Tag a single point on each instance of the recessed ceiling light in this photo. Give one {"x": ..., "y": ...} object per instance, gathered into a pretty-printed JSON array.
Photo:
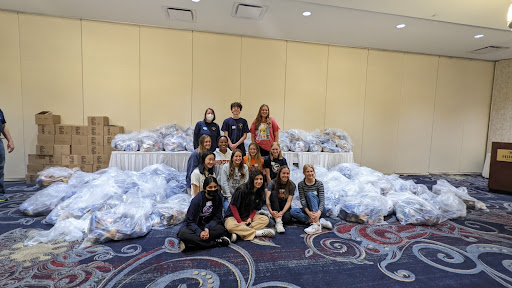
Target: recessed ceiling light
[
  {"x": 307, "y": 13},
  {"x": 196, "y": 1},
  {"x": 479, "y": 36},
  {"x": 400, "y": 26}
]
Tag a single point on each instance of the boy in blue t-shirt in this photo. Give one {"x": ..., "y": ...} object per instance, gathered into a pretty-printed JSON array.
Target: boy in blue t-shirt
[
  {"x": 10, "y": 146},
  {"x": 236, "y": 128}
]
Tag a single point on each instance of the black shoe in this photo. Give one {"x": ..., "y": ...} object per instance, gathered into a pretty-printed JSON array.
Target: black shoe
[
  {"x": 223, "y": 241},
  {"x": 3, "y": 197}
]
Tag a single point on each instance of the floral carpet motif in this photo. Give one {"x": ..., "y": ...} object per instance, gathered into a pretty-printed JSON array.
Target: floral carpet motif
[{"x": 472, "y": 252}]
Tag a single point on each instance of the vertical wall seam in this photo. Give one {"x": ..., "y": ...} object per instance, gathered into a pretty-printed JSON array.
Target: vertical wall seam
[
  {"x": 140, "y": 86},
  {"x": 285, "y": 84},
  {"x": 192, "y": 80},
  {"x": 326, "y": 83},
  {"x": 364, "y": 102},
  {"x": 399, "y": 112},
  {"x": 433, "y": 117},
  {"x": 25, "y": 160},
  {"x": 82, "y": 70}
]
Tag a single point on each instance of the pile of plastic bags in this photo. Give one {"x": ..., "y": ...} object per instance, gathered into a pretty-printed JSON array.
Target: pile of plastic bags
[
  {"x": 169, "y": 137},
  {"x": 328, "y": 140},
  {"x": 109, "y": 205},
  {"x": 363, "y": 195}
]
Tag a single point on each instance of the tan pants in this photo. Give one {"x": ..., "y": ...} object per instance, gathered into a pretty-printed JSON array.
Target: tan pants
[{"x": 246, "y": 232}]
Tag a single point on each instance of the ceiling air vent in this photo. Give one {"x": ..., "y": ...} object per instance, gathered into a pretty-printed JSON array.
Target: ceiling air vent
[
  {"x": 247, "y": 11},
  {"x": 178, "y": 14},
  {"x": 489, "y": 50}
]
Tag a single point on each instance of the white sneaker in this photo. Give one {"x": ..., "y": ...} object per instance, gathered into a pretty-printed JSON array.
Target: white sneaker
[
  {"x": 233, "y": 238},
  {"x": 313, "y": 228},
  {"x": 279, "y": 226},
  {"x": 265, "y": 233},
  {"x": 326, "y": 224}
]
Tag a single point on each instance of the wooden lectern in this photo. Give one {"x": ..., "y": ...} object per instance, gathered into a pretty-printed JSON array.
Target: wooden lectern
[{"x": 500, "y": 173}]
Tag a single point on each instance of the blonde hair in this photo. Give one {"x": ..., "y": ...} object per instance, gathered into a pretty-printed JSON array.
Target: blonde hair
[
  {"x": 201, "y": 147},
  {"x": 258, "y": 154},
  {"x": 280, "y": 153},
  {"x": 306, "y": 166}
]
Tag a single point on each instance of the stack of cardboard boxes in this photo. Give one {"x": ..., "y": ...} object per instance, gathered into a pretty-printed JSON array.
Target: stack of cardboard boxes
[{"x": 86, "y": 147}]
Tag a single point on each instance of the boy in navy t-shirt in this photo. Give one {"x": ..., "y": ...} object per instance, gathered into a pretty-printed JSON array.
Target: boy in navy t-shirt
[{"x": 236, "y": 128}]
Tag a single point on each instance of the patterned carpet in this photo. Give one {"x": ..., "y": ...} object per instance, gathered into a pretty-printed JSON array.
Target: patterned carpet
[{"x": 472, "y": 252}]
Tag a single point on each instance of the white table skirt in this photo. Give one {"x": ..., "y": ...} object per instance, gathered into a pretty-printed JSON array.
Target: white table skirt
[{"x": 136, "y": 161}]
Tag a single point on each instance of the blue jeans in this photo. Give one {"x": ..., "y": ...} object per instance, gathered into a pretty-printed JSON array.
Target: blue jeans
[
  {"x": 312, "y": 202},
  {"x": 2, "y": 163}
]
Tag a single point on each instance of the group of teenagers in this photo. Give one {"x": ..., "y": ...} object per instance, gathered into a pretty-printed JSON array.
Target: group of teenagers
[{"x": 240, "y": 196}]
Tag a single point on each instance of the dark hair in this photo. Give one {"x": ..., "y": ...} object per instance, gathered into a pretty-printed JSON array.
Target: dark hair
[
  {"x": 278, "y": 183},
  {"x": 250, "y": 182},
  {"x": 206, "y": 112},
  {"x": 232, "y": 165},
  {"x": 236, "y": 104},
  {"x": 222, "y": 136},
  {"x": 201, "y": 166},
  {"x": 209, "y": 180}
]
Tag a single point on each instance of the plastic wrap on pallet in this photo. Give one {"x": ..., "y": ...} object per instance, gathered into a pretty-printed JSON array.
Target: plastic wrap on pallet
[
  {"x": 442, "y": 186},
  {"x": 150, "y": 142},
  {"x": 171, "y": 212},
  {"x": 130, "y": 219},
  {"x": 44, "y": 201},
  {"x": 126, "y": 142},
  {"x": 68, "y": 230}
]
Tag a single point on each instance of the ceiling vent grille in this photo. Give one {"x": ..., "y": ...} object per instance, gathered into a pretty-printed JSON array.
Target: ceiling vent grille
[
  {"x": 489, "y": 50},
  {"x": 179, "y": 14},
  {"x": 247, "y": 11}
]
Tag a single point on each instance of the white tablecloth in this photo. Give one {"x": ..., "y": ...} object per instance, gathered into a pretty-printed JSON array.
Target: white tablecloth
[{"x": 136, "y": 161}]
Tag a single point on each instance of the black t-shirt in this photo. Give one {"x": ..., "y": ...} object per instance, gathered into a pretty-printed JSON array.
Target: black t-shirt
[
  {"x": 274, "y": 165},
  {"x": 246, "y": 201}
]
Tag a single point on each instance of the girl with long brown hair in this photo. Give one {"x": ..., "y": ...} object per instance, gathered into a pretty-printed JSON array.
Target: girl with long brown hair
[{"x": 264, "y": 130}]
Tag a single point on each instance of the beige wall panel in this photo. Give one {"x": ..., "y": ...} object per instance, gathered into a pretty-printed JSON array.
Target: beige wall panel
[
  {"x": 111, "y": 73},
  {"x": 448, "y": 116},
  {"x": 165, "y": 76},
  {"x": 477, "y": 104},
  {"x": 346, "y": 90},
  {"x": 381, "y": 115},
  {"x": 51, "y": 69},
  {"x": 416, "y": 113},
  {"x": 306, "y": 86},
  {"x": 263, "y": 77},
  {"x": 500, "y": 129},
  {"x": 10, "y": 93},
  {"x": 216, "y": 74}
]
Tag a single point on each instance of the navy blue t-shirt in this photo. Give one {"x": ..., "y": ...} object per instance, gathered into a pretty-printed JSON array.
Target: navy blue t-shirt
[
  {"x": 236, "y": 129},
  {"x": 274, "y": 165},
  {"x": 211, "y": 129},
  {"x": 2, "y": 121}
]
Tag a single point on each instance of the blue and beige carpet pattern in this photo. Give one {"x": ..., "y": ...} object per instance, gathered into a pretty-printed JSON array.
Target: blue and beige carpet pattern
[{"x": 471, "y": 252}]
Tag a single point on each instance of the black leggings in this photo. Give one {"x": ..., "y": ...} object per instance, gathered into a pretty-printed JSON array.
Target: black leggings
[
  {"x": 277, "y": 205},
  {"x": 194, "y": 241}
]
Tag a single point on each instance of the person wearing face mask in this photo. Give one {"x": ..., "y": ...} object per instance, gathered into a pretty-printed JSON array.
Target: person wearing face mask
[
  {"x": 202, "y": 171},
  {"x": 207, "y": 126},
  {"x": 233, "y": 174},
  {"x": 242, "y": 218},
  {"x": 203, "y": 224},
  {"x": 279, "y": 196}
]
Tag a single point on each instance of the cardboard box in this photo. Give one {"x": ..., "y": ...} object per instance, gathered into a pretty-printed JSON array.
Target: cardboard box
[
  {"x": 59, "y": 150},
  {"x": 46, "y": 129},
  {"x": 78, "y": 140},
  {"x": 97, "y": 121},
  {"x": 51, "y": 165},
  {"x": 79, "y": 149},
  {"x": 31, "y": 178},
  {"x": 45, "y": 139},
  {"x": 44, "y": 149},
  {"x": 80, "y": 130},
  {"x": 77, "y": 159},
  {"x": 113, "y": 130},
  {"x": 101, "y": 160},
  {"x": 107, "y": 140},
  {"x": 37, "y": 159},
  {"x": 93, "y": 150},
  {"x": 47, "y": 117},
  {"x": 62, "y": 139},
  {"x": 95, "y": 131},
  {"x": 97, "y": 167},
  {"x": 54, "y": 160},
  {"x": 34, "y": 168},
  {"x": 63, "y": 129},
  {"x": 94, "y": 140},
  {"x": 107, "y": 150}
]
